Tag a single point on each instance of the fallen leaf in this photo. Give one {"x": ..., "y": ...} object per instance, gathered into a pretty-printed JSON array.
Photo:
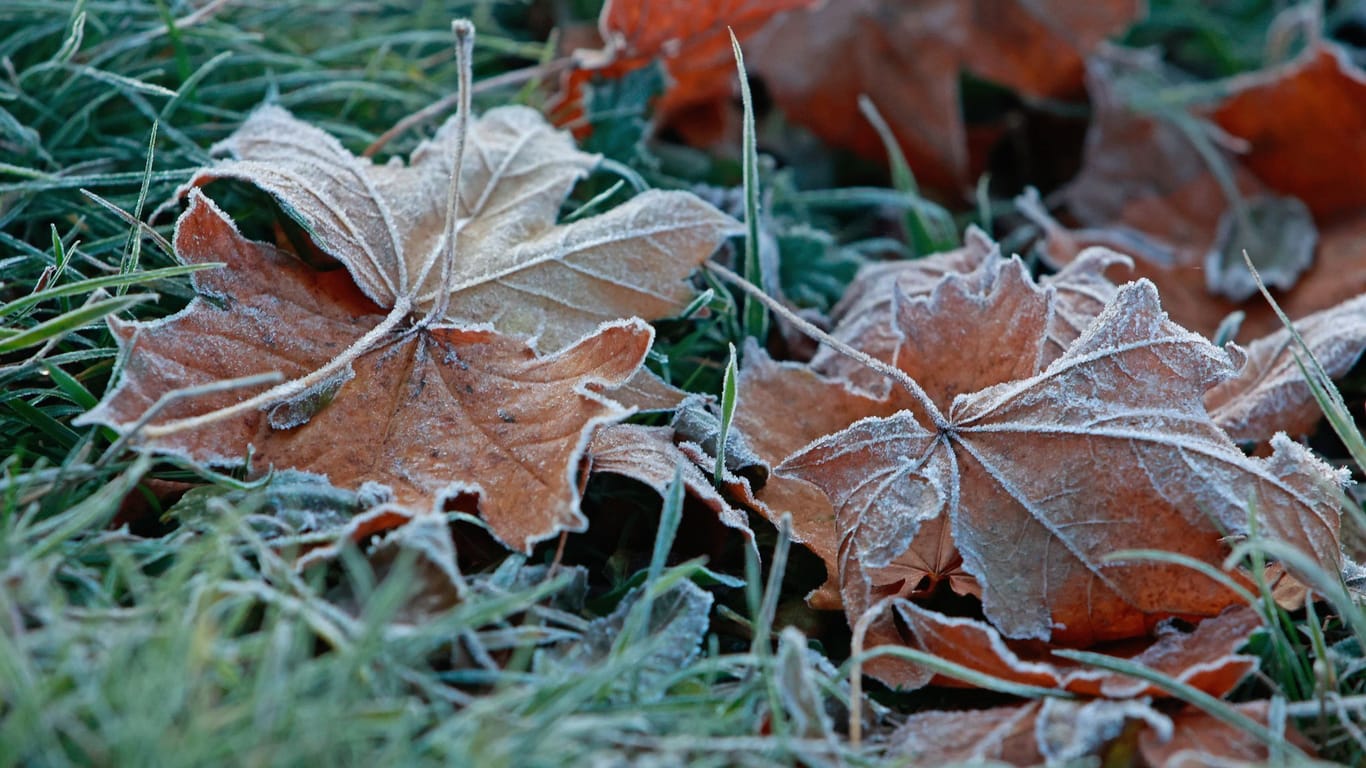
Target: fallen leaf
[
  {"x": 1004, "y": 734},
  {"x": 515, "y": 268},
  {"x": 1145, "y": 190},
  {"x": 1057, "y": 731},
  {"x": 1305, "y": 126},
  {"x": 865, "y": 318},
  {"x": 1200, "y": 739},
  {"x": 1107, "y": 448},
  {"x": 1270, "y": 393},
  {"x": 907, "y": 57},
  {"x": 1204, "y": 658},
  {"x": 430, "y": 413},
  {"x": 834, "y": 392},
  {"x": 649, "y": 455}
]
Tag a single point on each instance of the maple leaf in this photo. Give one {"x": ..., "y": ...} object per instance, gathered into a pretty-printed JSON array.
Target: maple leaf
[
  {"x": 1107, "y": 448},
  {"x": 865, "y": 317},
  {"x": 909, "y": 314},
  {"x": 430, "y": 413},
  {"x": 1204, "y": 658},
  {"x": 1057, "y": 731},
  {"x": 907, "y": 57},
  {"x": 514, "y": 267}
]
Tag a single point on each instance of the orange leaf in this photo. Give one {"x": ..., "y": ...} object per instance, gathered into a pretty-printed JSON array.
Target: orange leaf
[{"x": 1305, "y": 123}]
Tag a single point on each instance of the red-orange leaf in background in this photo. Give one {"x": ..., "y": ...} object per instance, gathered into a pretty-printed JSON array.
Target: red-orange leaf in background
[
  {"x": 1305, "y": 125},
  {"x": 428, "y": 414},
  {"x": 692, "y": 38},
  {"x": 907, "y": 57}
]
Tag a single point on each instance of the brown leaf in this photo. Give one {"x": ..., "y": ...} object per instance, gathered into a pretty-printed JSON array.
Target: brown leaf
[
  {"x": 1305, "y": 125},
  {"x": 1055, "y": 731},
  {"x": 865, "y": 318},
  {"x": 1270, "y": 394},
  {"x": 515, "y": 268},
  {"x": 907, "y": 57},
  {"x": 430, "y": 413},
  {"x": 1145, "y": 190},
  {"x": 691, "y": 38},
  {"x": 1205, "y": 658},
  {"x": 820, "y": 398},
  {"x": 649, "y": 455},
  {"x": 1199, "y": 739},
  {"x": 780, "y": 408},
  {"x": 1107, "y": 448},
  {"x": 1004, "y": 734}
]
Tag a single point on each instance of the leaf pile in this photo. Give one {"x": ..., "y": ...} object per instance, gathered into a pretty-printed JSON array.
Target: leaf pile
[{"x": 1068, "y": 475}]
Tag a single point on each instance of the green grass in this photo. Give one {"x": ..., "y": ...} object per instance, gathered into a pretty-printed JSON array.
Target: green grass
[{"x": 127, "y": 631}]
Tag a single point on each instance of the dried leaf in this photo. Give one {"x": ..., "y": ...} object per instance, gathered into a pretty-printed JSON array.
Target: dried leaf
[
  {"x": 1304, "y": 123},
  {"x": 865, "y": 319},
  {"x": 1205, "y": 658},
  {"x": 1199, "y": 739},
  {"x": 1107, "y": 448},
  {"x": 1270, "y": 393},
  {"x": 693, "y": 41},
  {"x": 431, "y": 414},
  {"x": 1146, "y": 191},
  {"x": 974, "y": 280},
  {"x": 907, "y": 57},
  {"x": 649, "y": 455},
  {"x": 1057, "y": 731},
  {"x": 1004, "y": 734},
  {"x": 515, "y": 268}
]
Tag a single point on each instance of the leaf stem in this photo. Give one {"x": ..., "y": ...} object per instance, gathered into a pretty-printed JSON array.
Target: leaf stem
[
  {"x": 464, "y": 50},
  {"x": 890, "y": 371}
]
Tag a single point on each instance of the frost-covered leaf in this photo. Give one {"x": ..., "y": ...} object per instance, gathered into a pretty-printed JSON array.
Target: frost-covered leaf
[
  {"x": 429, "y": 414},
  {"x": 1200, "y": 739},
  {"x": 1270, "y": 394},
  {"x": 912, "y": 316},
  {"x": 513, "y": 266},
  {"x": 1204, "y": 658},
  {"x": 649, "y": 455},
  {"x": 1279, "y": 230},
  {"x": 671, "y": 638},
  {"x": 1107, "y": 448}
]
